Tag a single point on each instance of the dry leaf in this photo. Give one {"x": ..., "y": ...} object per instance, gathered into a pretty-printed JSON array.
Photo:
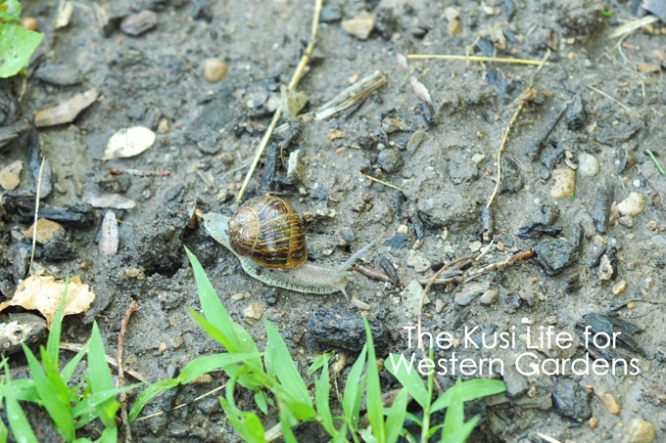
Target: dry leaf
[
  {"x": 45, "y": 230},
  {"x": 129, "y": 142},
  {"x": 67, "y": 111},
  {"x": 44, "y": 294}
]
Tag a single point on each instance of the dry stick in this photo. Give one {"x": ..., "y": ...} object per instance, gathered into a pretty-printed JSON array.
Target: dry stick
[
  {"x": 134, "y": 307},
  {"x": 476, "y": 58},
  {"x": 514, "y": 258},
  {"x": 300, "y": 69},
  {"x": 521, "y": 104},
  {"x": 390, "y": 185},
  {"x": 34, "y": 225}
]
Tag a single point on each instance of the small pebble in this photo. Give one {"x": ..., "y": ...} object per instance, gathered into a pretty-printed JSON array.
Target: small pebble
[
  {"x": 588, "y": 165},
  {"x": 137, "y": 24},
  {"x": 331, "y": 13},
  {"x": 162, "y": 347},
  {"x": 215, "y": 69},
  {"x": 358, "y": 304},
  {"x": 564, "y": 183},
  {"x": 478, "y": 158},
  {"x": 593, "y": 422},
  {"x": 403, "y": 229},
  {"x": 29, "y": 23},
  {"x": 619, "y": 287},
  {"x": 632, "y": 205},
  {"x": 609, "y": 402},
  {"x": 390, "y": 160},
  {"x": 253, "y": 311},
  {"x": 639, "y": 431},
  {"x": 648, "y": 283},
  {"x": 164, "y": 127},
  {"x": 475, "y": 246},
  {"x": 334, "y": 134},
  {"x": 10, "y": 175},
  {"x": 439, "y": 306},
  {"x": 420, "y": 264},
  {"x": 360, "y": 26},
  {"x": 415, "y": 140},
  {"x": 411, "y": 298},
  {"x": 240, "y": 296},
  {"x": 489, "y": 297},
  {"x": 627, "y": 221}
]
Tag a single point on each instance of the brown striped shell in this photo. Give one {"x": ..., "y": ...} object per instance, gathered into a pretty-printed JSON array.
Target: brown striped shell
[{"x": 269, "y": 231}]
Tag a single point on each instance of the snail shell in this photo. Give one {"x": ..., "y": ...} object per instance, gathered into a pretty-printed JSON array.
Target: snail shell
[
  {"x": 308, "y": 278},
  {"x": 270, "y": 231}
]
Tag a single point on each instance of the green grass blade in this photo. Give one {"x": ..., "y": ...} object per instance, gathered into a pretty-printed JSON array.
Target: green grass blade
[
  {"x": 101, "y": 378},
  {"x": 261, "y": 400},
  {"x": 374, "y": 391},
  {"x": 322, "y": 401},
  {"x": 215, "y": 312},
  {"x": 24, "y": 390},
  {"x": 232, "y": 336},
  {"x": 455, "y": 413},
  {"x": 150, "y": 393},
  {"x": 249, "y": 427},
  {"x": 408, "y": 377},
  {"x": 286, "y": 422},
  {"x": 69, "y": 369},
  {"x": 53, "y": 341},
  {"x": 396, "y": 416},
  {"x": 279, "y": 360},
  {"x": 18, "y": 422},
  {"x": 209, "y": 363},
  {"x": 110, "y": 435},
  {"x": 461, "y": 434},
  {"x": 59, "y": 412},
  {"x": 91, "y": 402},
  {"x": 368, "y": 437},
  {"x": 471, "y": 390},
  {"x": 351, "y": 400}
]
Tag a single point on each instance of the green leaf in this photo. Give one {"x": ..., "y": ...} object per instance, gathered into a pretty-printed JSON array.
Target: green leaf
[
  {"x": 455, "y": 413},
  {"x": 367, "y": 436},
  {"x": 318, "y": 362},
  {"x": 149, "y": 393},
  {"x": 470, "y": 390},
  {"x": 12, "y": 10},
  {"x": 16, "y": 47},
  {"x": 461, "y": 434},
  {"x": 322, "y": 402},
  {"x": 239, "y": 340},
  {"x": 59, "y": 412},
  {"x": 110, "y": 435},
  {"x": 68, "y": 371},
  {"x": 374, "y": 389},
  {"x": 351, "y": 400},
  {"x": 260, "y": 399},
  {"x": 101, "y": 378},
  {"x": 279, "y": 360},
  {"x": 408, "y": 377},
  {"x": 396, "y": 416},
  {"x": 18, "y": 422},
  {"x": 248, "y": 427},
  {"x": 286, "y": 422}
]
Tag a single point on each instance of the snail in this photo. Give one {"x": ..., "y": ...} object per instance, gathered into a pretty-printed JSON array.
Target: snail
[{"x": 268, "y": 237}]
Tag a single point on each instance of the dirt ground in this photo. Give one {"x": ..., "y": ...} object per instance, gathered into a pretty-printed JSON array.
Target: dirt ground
[{"x": 598, "y": 106}]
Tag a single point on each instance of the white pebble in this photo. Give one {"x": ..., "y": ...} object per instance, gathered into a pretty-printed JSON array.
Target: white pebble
[
  {"x": 632, "y": 205},
  {"x": 108, "y": 240},
  {"x": 588, "y": 165},
  {"x": 564, "y": 183}
]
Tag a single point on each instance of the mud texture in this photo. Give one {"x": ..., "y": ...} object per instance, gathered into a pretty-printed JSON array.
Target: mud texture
[{"x": 441, "y": 155}]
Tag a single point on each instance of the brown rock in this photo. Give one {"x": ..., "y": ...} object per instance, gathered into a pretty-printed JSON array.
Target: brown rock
[
  {"x": 45, "y": 230},
  {"x": 609, "y": 401},
  {"x": 137, "y": 24},
  {"x": 360, "y": 26},
  {"x": 639, "y": 431},
  {"x": 215, "y": 69},
  {"x": 10, "y": 175}
]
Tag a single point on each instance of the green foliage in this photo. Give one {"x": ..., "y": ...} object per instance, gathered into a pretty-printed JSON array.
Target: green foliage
[
  {"x": 16, "y": 42},
  {"x": 276, "y": 382},
  {"x": 70, "y": 407}
]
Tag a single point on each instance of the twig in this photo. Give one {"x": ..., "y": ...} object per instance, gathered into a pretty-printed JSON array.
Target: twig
[
  {"x": 476, "y": 58},
  {"x": 300, "y": 69},
  {"x": 380, "y": 181},
  {"x": 351, "y": 96},
  {"x": 75, "y": 347},
  {"x": 527, "y": 93},
  {"x": 514, "y": 258},
  {"x": 547, "y": 438},
  {"x": 140, "y": 173},
  {"x": 134, "y": 307},
  {"x": 633, "y": 25},
  {"x": 201, "y": 397},
  {"x": 625, "y": 107},
  {"x": 34, "y": 225}
]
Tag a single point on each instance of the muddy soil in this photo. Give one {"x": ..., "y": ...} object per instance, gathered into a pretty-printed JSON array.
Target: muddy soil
[{"x": 596, "y": 107}]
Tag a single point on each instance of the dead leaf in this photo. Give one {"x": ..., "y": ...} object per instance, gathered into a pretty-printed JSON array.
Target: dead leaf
[
  {"x": 129, "y": 142},
  {"x": 647, "y": 68},
  {"x": 66, "y": 111},
  {"x": 45, "y": 230},
  {"x": 44, "y": 294}
]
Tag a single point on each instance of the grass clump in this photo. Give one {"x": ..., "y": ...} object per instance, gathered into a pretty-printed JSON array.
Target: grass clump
[
  {"x": 70, "y": 405},
  {"x": 275, "y": 381}
]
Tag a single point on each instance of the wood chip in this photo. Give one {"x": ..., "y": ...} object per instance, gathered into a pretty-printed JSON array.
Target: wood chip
[{"x": 67, "y": 111}]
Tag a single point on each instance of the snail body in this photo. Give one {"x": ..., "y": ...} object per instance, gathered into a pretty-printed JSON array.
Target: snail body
[{"x": 268, "y": 238}]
